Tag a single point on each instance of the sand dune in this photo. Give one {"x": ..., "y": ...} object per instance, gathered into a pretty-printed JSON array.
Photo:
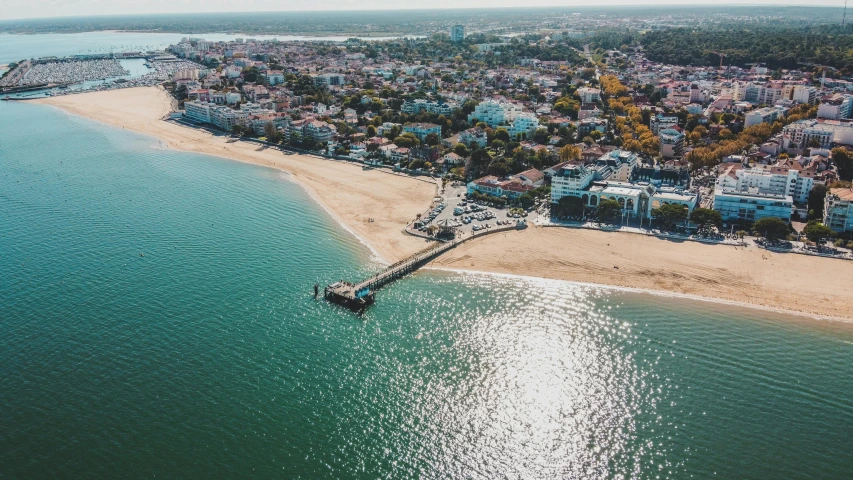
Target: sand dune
[{"x": 354, "y": 195}]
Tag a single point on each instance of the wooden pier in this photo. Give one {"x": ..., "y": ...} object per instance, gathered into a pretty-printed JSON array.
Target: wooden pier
[{"x": 359, "y": 295}]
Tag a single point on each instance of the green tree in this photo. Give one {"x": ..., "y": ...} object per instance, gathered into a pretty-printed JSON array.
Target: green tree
[
  {"x": 272, "y": 134},
  {"x": 461, "y": 150},
  {"x": 608, "y": 211},
  {"x": 432, "y": 140},
  {"x": 502, "y": 134},
  {"x": 569, "y": 206},
  {"x": 669, "y": 214},
  {"x": 844, "y": 163},
  {"x": 371, "y": 131},
  {"x": 816, "y": 231},
  {"x": 817, "y": 197},
  {"x": 705, "y": 217},
  {"x": 771, "y": 228},
  {"x": 406, "y": 140}
]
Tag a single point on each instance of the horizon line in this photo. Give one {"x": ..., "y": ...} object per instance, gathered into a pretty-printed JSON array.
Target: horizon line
[{"x": 628, "y": 5}]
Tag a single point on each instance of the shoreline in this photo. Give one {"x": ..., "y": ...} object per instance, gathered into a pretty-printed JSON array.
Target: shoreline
[
  {"x": 844, "y": 322},
  {"x": 810, "y": 287}
]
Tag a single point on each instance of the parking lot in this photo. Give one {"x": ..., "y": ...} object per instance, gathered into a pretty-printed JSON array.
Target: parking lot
[{"x": 467, "y": 217}]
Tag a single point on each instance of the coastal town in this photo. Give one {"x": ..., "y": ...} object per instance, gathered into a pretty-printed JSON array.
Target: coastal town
[
  {"x": 602, "y": 137},
  {"x": 535, "y": 130}
]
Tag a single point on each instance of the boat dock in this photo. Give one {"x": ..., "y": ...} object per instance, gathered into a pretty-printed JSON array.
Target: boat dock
[{"x": 359, "y": 295}]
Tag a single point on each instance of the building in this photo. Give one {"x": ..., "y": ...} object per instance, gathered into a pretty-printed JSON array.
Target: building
[
  {"x": 510, "y": 187},
  {"x": 838, "y": 209},
  {"x": 662, "y": 121},
  {"x": 736, "y": 206},
  {"x": 457, "y": 33},
  {"x": 808, "y": 133},
  {"x": 524, "y": 124},
  {"x": 306, "y": 129},
  {"x": 636, "y": 199},
  {"x": 198, "y": 111},
  {"x": 225, "y": 118},
  {"x": 616, "y": 165},
  {"x": 589, "y": 95},
  {"x": 671, "y": 143},
  {"x": 474, "y": 135},
  {"x": 836, "y": 108},
  {"x": 589, "y": 110},
  {"x": 764, "y": 115},
  {"x": 787, "y": 178},
  {"x": 587, "y": 125},
  {"x": 421, "y": 130},
  {"x": 330, "y": 79},
  {"x": 800, "y": 94},
  {"x": 494, "y": 113},
  {"x": 421, "y": 105}
]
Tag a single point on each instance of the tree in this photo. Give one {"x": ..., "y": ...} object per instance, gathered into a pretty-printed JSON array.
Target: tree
[
  {"x": 771, "y": 228},
  {"x": 271, "y": 133},
  {"x": 596, "y": 135},
  {"x": 817, "y": 197},
  {"x": 669, "y": 214},
  {"x": 569, "y": 206},
  {"x": 371, "y": 131},
  {"x": 816, "y": 231},
  {"x": 498, "y": 169},
  {"x": 502, "y": 134},
  {"x": 705, "y": 217},
  {"x": 479, "y": 161},
  {"x": 608, "y": 210},
  {"x": 431, "y": 139},
  {"x": 569, "y": 152},
  {"x": 588, "y": 140},
  {"x": 406, "y": 140},
  {"x": 844, "y": 163},
  {"x": 461, "y": 150}
]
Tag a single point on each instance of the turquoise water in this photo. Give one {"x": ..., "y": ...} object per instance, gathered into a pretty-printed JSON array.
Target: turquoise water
[{"x": 155, "y": 320}]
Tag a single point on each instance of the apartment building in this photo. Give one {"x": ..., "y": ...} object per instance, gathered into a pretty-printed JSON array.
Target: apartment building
[
  {"x": 421, "y": 130},
  {"x": 805, "y": 133},
  {"x": 735, "y": 205},
  {"x": 421, "y": 105},
  {"x": 764, "y": 115},
  {"x": 198, "y": 111},
  {"x": 662, "y": 121},
  {"x": 671, "y": 143},
  {"x": 589, "y": 95},
  {"x": 457, "y": 33},
  {"x": 785, "y": 178},
  {"x": 524, "y": 124},
  {"x": 494, "y": 113},
  {"x": 838, "y": 209}
]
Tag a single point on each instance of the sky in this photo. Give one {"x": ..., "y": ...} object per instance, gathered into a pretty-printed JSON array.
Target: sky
[{"x": 13, "y": 9}]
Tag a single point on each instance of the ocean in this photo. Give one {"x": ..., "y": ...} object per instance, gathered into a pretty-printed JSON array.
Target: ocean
[{"x": 156, "y": 319}]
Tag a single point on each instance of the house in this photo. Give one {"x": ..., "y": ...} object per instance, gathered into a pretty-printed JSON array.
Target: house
[
  {"x": 589, "y": 110},
  {"x": 451, "y": 160},
  {"x": 421, "y": 130},
  {"x": 474, "y": 135}
]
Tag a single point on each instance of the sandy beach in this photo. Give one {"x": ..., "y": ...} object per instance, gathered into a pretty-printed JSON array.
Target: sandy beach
[
  {"x": 798, "y": 283},
  {"x": 354, "y": 195}
]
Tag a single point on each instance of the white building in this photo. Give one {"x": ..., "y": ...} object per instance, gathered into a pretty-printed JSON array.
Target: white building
[
  {"x": 525, "y": 124},
  {"x": 786, "y": 178},
  {"x": 662, "y": 121},
  {"x": 198, "y": 111},
  {"x": 804, "y": 133},
  {"x": 494, "y": 113},
  {"x": 330, "y": 79},
  {"x": 421, "y": 105},
  {"x": 474, "y": 135},
  {"x": 764, "y": 115},
  {"x": 589, "y": 95},
  {"x": 838, "y": 209},
  {"x": 734, "y": 205}
]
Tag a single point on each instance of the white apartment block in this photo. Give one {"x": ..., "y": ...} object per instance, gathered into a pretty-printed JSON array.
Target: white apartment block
[
  {"x": 804, "y": 133},
  {"x": 735, "y": 205},
  {"x": 457, "y": 33},
  {"x": 661, "y": 122},
  {"x": 764, "y": 115},
  {"x": 198, "y": 111},
  {"x": 782, "y": 179},
  {"x": 494, "y": 113},
  {"x": 589, "y": 95},
  {"x": 420, "y": 105},
  {"x": 331, "y": 79},
  {"x": 525, "y": 124},
  {"x": 671, "y": 143},
  {"x": 838, "y": 209}
]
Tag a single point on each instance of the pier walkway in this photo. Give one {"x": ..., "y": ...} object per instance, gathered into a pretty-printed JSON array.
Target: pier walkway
[{"x": 360, "y": 295}]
